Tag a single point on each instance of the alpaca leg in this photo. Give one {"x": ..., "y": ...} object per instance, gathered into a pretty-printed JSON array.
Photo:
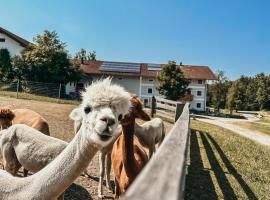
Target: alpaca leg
[
  {"x": 151, "y": 149},
  {"x": 108, "y": 171},
  {"x": 101, "y": 173},
  {"x": 117, "y": 189},
  {"x": 25, "y": 172},
  {"x": 10, "y": 161},
  {"x": 154, "y": 148}
]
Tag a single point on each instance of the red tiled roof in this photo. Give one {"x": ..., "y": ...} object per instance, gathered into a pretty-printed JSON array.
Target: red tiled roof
[
  {"x": 198, "y": 72},
  {"x": 18, "y": 39},
  {"x": 190, "y": 71}
]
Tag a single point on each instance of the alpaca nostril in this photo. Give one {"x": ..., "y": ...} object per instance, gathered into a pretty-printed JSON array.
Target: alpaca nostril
[
  {"x": 104, "y": 119},
  {"x": 110, "y": 122}
]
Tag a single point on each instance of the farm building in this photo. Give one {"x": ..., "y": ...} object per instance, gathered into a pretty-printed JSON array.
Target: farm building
[
  {"x": 141, "y": 78},
  {"x": 12, "y": 42}
]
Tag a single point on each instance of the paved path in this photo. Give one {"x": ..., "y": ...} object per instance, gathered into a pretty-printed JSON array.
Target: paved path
[{"x": 226, "y": 123}]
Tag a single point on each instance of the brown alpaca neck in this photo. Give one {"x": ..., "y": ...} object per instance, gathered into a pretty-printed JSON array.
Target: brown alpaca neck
[{"x": 129, "y": 161}]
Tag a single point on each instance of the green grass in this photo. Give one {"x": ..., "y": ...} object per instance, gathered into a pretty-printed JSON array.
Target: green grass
[
  {"x": 165, "y": 119},
  {"x": 37, "y": 97},
  {"x": 224, "y": 165}
]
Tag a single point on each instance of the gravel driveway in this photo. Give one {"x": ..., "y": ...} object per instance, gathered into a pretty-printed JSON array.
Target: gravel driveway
[{"x": 228, "y": 124}]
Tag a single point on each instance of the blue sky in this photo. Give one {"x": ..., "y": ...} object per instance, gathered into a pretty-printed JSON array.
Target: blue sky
[{"x": 232, "y": 35}]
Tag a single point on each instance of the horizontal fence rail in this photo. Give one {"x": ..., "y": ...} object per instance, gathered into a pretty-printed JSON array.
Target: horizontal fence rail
[
  {"x": 167, "y": 108},
  {"x": 164, "y": 176}
]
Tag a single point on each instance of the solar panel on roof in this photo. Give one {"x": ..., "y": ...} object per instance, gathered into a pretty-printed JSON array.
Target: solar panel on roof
[
  {"x": 120, "y": 67},
  {"x": 154, "y": 67}
]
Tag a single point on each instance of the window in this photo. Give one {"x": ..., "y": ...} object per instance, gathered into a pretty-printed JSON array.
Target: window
[
  {"x": 199, "y": 81},
  {"x": 2, "y": 39},
  {"x": 199, "y": 105},
  {"x": 199, "y": 93},
  {"x": 150, "y": 91},
  {"x": 145, "y": 101},
  {"x": 151, "y": 80}
]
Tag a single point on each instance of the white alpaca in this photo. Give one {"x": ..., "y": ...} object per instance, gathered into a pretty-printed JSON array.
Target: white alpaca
[
  {"x": 150, "y": 133},
  {"x": 28, "y": 148},
  {"x": 104, "y": 104},
  {"x": 104, "y": 154}
]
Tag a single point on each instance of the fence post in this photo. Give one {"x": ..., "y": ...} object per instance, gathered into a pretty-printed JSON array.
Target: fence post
[
  {"x": 178, "y": 110},
  {"x": 59, "y": 92},
  {"x": 18, "y": 86},
  {"x": 153, "y": 107}
]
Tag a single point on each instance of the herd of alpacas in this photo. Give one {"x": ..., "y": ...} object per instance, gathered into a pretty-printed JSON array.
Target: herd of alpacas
[{"x": 104, "y": 122}]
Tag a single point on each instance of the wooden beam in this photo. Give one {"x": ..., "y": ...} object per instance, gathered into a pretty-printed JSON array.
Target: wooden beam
[{"x": 164, "y": 176}]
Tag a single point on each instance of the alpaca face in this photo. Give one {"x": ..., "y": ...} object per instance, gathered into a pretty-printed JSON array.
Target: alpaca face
[
  {"x": 102, "y": 108},
  {"x": 6, "y": 117}
]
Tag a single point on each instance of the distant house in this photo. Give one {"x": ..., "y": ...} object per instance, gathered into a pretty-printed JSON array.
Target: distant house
[
  {"x": 12, "y": 42},
  {"x": 141, "y": 78}
]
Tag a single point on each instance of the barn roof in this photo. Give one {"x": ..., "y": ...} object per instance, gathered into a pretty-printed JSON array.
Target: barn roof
[{"x": 144, "y": 70}]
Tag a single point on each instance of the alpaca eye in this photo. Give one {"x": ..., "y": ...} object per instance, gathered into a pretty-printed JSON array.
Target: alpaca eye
[
  {"x": 120, "y": 117},
  {"x": 87, "y": 109}
]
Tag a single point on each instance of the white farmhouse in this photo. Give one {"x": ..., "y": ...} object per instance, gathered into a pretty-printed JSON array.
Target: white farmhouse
[
  {"x": 140, "y": 79},
  {"x": 12, "y": 42}
]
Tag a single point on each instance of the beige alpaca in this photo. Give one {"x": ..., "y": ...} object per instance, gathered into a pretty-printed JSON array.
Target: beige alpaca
[
  {"x": 150, "y": 133},
  {"x": 104, "y": 104}
]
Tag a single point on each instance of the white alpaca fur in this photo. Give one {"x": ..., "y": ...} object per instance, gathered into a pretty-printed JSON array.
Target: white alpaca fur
[
  {"x": 107, "y": 103},
  {"x": 104, "y": 154},
  {"x": 24, "y": 146},
  {"x": 150, "y": 133}
]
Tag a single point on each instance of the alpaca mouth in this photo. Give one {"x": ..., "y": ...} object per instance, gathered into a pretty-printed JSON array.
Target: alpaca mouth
[{"x": 105, "y": 137}]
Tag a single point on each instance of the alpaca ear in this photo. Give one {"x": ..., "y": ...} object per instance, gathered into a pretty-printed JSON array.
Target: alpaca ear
[
  {"x": 11, "y": 115},
  {"x": 76, "y": 114}
]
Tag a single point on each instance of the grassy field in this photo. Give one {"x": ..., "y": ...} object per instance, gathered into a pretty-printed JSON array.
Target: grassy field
[
  {"x": 223, "y": 165},
  {"x": 37, "y": 97}
]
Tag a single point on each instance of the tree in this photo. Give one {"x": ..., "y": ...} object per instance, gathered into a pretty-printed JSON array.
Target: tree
[
  {"x": 48, "y": 61},
  {"x": 82, "y": 55},
  {"x": 171, "y": 82},
  {"x": 217, "y": 92},
  {"x": 263, "y": 91},
  {"x": 234, "y": 97},
  {"x": 91, "y": 55},
  {"x": 5, "y": 64}
]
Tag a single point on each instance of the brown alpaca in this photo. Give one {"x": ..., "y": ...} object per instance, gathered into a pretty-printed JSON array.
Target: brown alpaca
[
  {"x": 128, "y": 155},
  {"x": 28, "y": 117}
]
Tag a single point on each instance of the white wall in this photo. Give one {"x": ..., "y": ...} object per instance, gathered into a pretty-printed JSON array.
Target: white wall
[
  {"x": 13, "y": 47},
  {"x": 70, "y": 87},
  {"x": 194, "y": 86}
]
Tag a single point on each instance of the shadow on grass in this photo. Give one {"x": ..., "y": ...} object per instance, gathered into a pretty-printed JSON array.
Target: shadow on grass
[
  {"x": 199, "y": 184},
  {"x": 222, "y": 180},
  {"x": 232, "y": 170}
]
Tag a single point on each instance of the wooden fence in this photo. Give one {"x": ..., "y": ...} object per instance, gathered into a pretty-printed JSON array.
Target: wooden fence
[
  {"x": 166, "y": 108},
  {"x": 164, "y": 176}
]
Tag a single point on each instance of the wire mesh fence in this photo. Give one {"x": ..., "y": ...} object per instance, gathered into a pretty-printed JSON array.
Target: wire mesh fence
[{"x": 34, "y": 90}]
